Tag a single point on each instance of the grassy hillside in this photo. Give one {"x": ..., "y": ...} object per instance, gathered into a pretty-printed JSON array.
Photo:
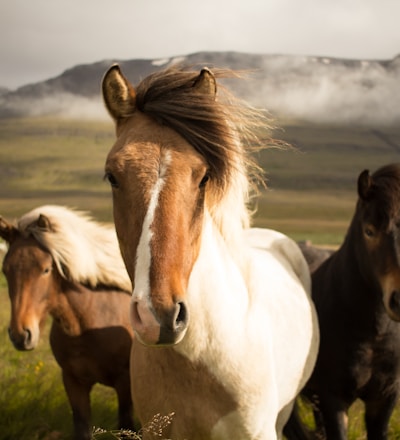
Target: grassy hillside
[
  {"x": 311, "y": 191},
  {"x": 53, "y": 161}
]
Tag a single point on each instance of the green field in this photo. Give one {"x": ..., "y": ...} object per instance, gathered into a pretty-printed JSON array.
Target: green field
[
  {"x": 311, "y": 195},
  {"x": 311, "y": 190}
]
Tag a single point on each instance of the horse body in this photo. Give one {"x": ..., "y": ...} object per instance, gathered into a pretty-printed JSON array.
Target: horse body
[
  {"x": 254, "y": 330},
  {"x": 229, "y": 307},
  {"x": 211, "y": 364},
  {"x": 356, "y": 293},
  {"x": 90, "y": 334}
]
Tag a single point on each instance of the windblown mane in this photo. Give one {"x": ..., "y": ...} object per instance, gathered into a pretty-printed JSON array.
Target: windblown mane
[
  {"x": 223, "y": 130},
  {"x": 83, "y": 250},
  {"x": 386, "y": 186}
]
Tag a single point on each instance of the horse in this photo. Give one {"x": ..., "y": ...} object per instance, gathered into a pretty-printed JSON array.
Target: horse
[
  {"x": 314, "y": 255},
  {"x": 63, "y": 263},
  {"x": 226, "y": 334},
  {"x": 357, "y": 296}
]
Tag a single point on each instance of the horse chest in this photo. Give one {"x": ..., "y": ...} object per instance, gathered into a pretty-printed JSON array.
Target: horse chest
[
  {"x": 97, "y": 354},
  {"x": 163, "y": 381},
  {"x": 367, "y": 359}
]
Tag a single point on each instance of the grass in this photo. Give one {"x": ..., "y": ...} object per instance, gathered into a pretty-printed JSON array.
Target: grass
[
  {"x": 311, "y": 195},
  {"x": 54, "y": 161}
]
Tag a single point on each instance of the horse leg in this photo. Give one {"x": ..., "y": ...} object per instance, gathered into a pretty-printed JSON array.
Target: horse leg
[
  {"x": 319, "y": 424},
  {"x": 125, "y": 405},
  {"x": 377, "y": 416},
  {"x": 334, "y": 418},
  {"x": 79, "y": 399}
]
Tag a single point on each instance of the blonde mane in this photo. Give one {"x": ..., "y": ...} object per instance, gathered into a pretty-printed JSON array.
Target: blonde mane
[{"x": 83, "y": 250}]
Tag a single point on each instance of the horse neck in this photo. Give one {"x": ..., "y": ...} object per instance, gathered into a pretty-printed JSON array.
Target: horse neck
[
  {"x": 69, "y": 307},
  {"x": 352, "y": 274},
  {"x": 216, "y": 281}
]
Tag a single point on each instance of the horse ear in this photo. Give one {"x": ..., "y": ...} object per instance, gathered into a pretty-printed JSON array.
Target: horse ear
[
  {"x": 7, "y": 231},
  {"x": 118, "y": 94},
  {"x": 206, "y": 83},
  {"x": 44, "y": 223},
  {"x": 364, "y": 184}
]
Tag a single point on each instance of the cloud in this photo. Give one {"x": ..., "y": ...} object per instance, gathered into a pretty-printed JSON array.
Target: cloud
[
  {"x": 329, "y": 90},
  {"x": 44, "y": 38},
  {"x": 297, "y": 87}
]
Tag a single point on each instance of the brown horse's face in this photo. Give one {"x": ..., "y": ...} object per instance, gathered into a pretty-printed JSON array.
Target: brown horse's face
[
  {"x": 379, "y": 218},
  {"x": 28, "y": 270},
  {"x": 158, "y": 184}
]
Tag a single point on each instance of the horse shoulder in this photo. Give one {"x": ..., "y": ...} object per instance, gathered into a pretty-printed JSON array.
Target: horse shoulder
[
  {"x": 100, "y": 352},
  {"x": 283, "y": 288},
  {"x": 283, "y": 248}
]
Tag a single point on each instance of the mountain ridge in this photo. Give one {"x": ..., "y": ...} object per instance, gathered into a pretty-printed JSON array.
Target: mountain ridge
[{"x": 321, "y": 89}]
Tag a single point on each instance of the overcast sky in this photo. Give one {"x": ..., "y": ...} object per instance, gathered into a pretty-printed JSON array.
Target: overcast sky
[{"x": 39, "y": 39}]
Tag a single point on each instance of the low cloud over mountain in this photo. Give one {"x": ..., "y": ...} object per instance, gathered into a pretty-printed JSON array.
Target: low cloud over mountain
[{"x": 308, "y": 88}]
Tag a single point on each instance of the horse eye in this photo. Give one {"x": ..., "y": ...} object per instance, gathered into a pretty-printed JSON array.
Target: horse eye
[
  {"x": 369, "y": 232},
  {"x": 112, "y": 180},
  {"x": 204, "y": 180},
  {"x": 47, "y": 270}
]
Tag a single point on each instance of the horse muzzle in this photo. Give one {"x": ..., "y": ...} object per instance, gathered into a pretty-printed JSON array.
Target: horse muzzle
[
  {"x": 167, "y": 327},
  {"x": 24, "y": 340}
]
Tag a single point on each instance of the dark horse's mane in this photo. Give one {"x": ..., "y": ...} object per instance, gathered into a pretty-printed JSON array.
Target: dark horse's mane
[
  {"x": 218, "y": 129},
  {"x": 383, "y": 189},
  {"x": 386, "y": 186}
]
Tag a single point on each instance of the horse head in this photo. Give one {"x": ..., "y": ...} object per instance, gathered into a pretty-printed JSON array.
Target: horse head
[
  {"x": 158, "y": 182},
  {"x": 378, "y": 214},
  {"x": 28, "y": 268}
]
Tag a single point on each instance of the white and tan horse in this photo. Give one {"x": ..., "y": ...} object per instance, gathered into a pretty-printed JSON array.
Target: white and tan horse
[{"x": 227, "y": 329}]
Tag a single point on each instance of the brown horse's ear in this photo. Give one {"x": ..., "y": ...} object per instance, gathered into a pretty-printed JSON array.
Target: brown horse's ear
[
  {"x": 43, "y": 223},
  {"x": 206, "y": 83},
  {"x": 7, "y": 231},
  {"x": 364, "y": 185},
  {"x": 118, "y": 94}
]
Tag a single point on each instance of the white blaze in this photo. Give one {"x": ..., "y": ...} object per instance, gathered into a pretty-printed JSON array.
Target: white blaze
[{"x": 143, "y": 252}]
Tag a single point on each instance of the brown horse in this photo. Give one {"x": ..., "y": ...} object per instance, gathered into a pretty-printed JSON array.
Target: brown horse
[
  {"x": 228, "y": 306},
  {"x": 63, "y": 263},
  {"x": 357, "y": 296}
]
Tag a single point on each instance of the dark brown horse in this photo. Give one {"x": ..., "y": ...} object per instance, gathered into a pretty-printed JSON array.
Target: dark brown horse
[
  {"x": 62, "y": 263},
  {"x": 357, "y": 296}
]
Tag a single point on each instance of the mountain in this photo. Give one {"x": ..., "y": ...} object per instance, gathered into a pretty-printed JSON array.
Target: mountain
[{"x": 318, "y": 89}]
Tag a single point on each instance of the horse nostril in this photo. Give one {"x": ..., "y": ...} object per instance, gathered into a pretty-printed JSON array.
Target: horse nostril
[
  {"x": 173, "y": 324},
  {"x": 182, "y": 315},
  {"x": 28, "y": 335},
  {"x": 21, "y": 340},
  {"x": 394, "y": 302}
]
